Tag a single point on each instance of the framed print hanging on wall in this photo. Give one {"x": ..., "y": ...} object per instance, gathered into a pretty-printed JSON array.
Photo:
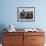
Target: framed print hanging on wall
[{"x": 26, "y": 14}]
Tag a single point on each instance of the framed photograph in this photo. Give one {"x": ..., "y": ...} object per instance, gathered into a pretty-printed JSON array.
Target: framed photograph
[{"x": 26, "y": 14}]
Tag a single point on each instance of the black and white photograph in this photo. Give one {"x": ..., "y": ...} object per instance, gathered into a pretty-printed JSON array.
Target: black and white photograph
[{"x": 26, "y": 14}]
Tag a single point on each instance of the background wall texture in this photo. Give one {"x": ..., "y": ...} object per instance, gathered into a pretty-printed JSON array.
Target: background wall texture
[{"x": 8, "y": 13}]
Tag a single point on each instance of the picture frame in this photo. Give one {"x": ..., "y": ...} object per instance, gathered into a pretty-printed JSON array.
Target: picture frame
[{"x": 26, "y": 14}]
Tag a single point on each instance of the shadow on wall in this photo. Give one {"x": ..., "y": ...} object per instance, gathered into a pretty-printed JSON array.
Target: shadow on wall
[{"x": 2, "y": 26}]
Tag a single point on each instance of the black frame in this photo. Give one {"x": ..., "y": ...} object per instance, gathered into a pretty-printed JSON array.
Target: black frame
[{"x": 25, "y": 20}]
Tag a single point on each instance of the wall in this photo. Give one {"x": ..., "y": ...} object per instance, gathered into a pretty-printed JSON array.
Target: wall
[{"x": 9, "y": 13}]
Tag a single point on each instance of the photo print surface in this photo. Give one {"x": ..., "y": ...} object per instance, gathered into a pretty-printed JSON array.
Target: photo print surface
[{"x": 26, "y": 14}]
